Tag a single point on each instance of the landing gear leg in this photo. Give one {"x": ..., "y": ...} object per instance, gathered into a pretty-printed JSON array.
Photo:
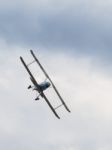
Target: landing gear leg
[{"x": 37, "y": 97}]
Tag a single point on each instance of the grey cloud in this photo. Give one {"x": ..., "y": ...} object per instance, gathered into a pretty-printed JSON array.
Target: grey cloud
[{"x": 84, "y": 27}]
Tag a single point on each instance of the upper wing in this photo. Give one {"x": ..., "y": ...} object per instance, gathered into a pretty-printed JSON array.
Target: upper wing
[
  {"x": 31, "y": 76},
  {"x": 50, "y": 81}
]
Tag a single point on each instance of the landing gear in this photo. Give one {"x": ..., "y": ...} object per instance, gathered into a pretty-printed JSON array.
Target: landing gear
[
  {"x": 29, "y": 87},
  {"x": 37, "y": 98}
]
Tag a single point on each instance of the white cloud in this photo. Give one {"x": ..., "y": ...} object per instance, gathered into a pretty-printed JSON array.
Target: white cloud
[{"x": 86, "y": 89}]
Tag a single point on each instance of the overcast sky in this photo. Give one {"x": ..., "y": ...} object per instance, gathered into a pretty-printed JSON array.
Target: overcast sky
[{"x": 73, "y": 41}]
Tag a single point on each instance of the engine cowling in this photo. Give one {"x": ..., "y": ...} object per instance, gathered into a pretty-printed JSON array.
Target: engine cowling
[{"x": 44, "y": 85}]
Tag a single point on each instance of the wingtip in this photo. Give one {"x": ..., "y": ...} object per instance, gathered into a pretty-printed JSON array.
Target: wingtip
[
  {"x": 68, "y": 110},
  {"x": 20, "y": 57},
  {"x": 31, "y": 50},
  {"x": 58, "y": 117}
]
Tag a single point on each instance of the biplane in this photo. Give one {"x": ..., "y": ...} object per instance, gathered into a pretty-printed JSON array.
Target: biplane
[{"x": 40, "y": 88}]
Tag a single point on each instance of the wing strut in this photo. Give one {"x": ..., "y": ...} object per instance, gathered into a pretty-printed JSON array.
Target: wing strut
[{"x": 50, "y": 81}]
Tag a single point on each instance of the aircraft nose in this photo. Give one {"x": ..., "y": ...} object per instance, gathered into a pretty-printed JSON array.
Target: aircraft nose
[{"x": 49, "y": 84}]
